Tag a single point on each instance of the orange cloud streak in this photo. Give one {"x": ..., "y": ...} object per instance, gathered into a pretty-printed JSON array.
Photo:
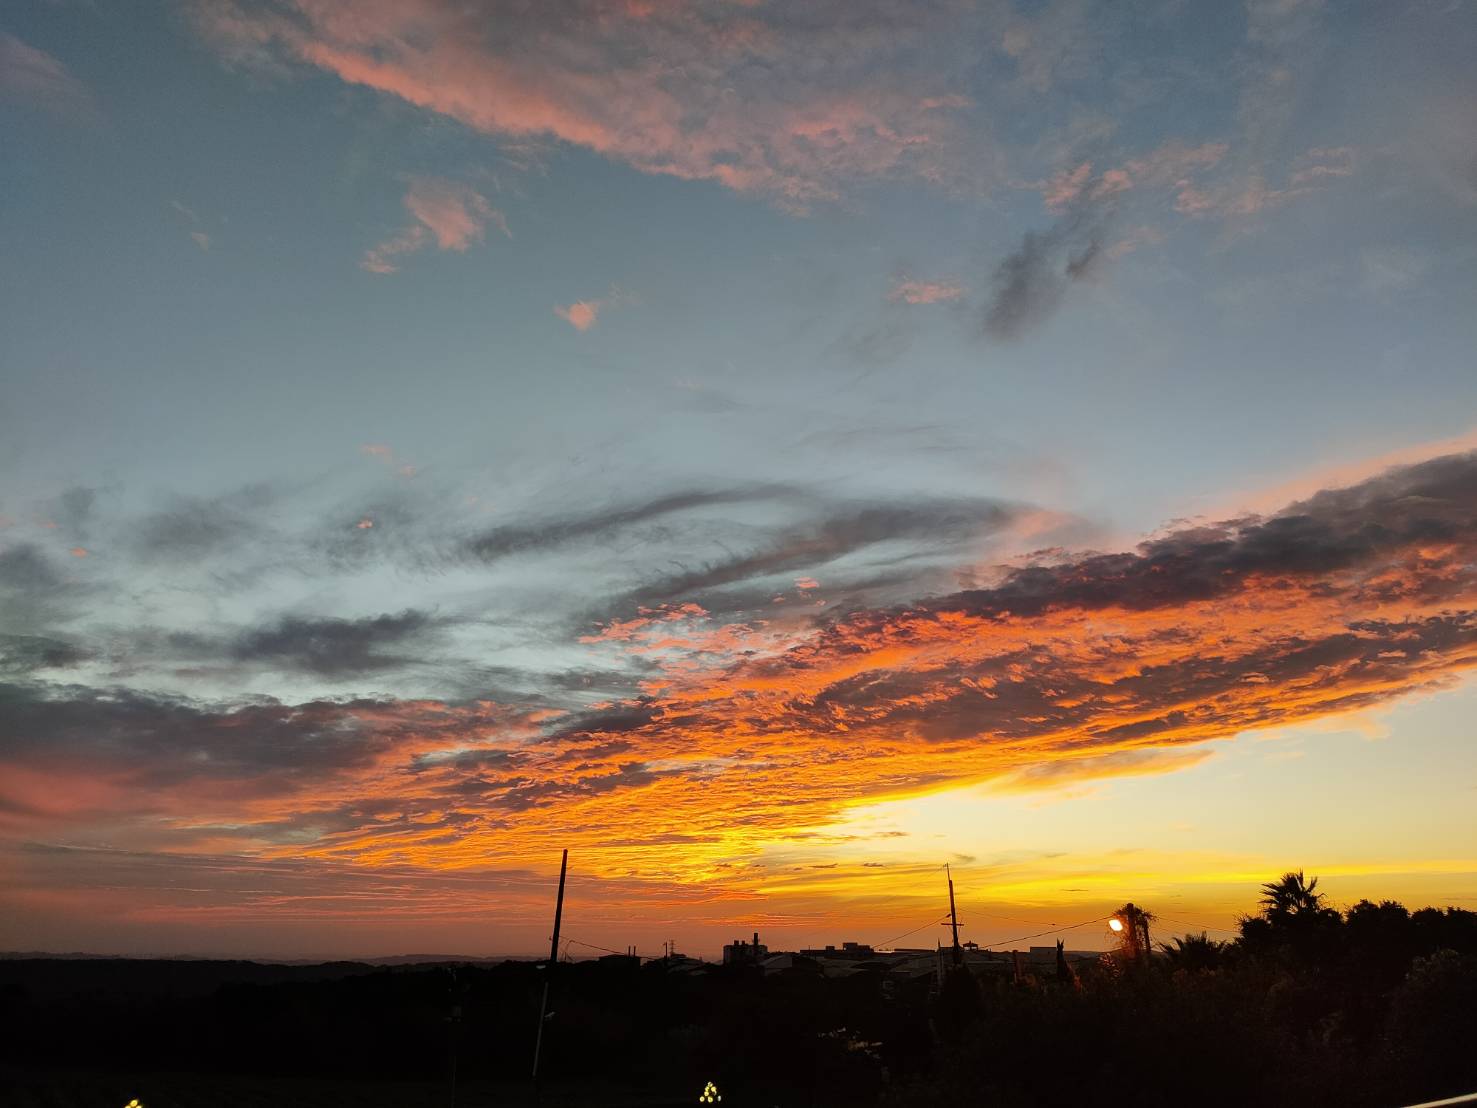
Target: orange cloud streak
[{"x": 748, "y": 736}]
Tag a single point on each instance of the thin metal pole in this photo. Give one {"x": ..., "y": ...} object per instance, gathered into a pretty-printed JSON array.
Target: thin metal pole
[
  {"x": 543, "y": 1007},
  {"x": 953, "y": 917}
]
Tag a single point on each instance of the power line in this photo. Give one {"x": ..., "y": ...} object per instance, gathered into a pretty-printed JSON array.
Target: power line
[
  {"x": 1053, "y": 931},
  {"x": 905, "y": 934},
  {"x": 594, "y": 946},
  {"x": 1013, "y": 919},
  {"x": 1201, "y": 926}
]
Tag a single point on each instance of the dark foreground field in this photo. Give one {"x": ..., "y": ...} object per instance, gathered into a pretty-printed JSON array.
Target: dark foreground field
[
  {"x": 1369, "y": 1008},
  {"x": 39, "y": 1089},
  {"x": 179, "y": 1033}
]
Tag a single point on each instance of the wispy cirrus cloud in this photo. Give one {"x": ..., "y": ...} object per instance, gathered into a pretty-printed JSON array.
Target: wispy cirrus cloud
[
  {"x": 446, "y": 214},
  {"x": 198, "y": 235}
]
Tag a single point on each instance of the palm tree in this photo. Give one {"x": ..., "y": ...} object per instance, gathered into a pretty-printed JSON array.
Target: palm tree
[
  {"x": 1194, "y": 952},
  {"x": 1291, "y": 895},
  {"x": 1131, "y": 924}
]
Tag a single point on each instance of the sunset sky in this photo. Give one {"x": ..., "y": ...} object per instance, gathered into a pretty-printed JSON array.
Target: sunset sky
[{"x": 772, "y": 449}]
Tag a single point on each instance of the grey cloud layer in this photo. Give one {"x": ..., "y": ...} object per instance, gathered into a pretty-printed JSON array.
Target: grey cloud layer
[{"x": 730, "y": 547}]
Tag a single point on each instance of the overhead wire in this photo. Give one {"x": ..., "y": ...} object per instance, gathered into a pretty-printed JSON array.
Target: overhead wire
[
  {"x": 997, "y": 915},
  {"x": 905, "y": 934},
  {"x": 594, "y": 946},
  {"x": 1200, "y": 926},
  {"x": 1053, "y": 931}
]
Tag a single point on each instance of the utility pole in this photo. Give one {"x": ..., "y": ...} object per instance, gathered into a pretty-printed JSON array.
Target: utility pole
[
  {"x": 543, "y": 1007},
  {"x": 954, "y": 919}
]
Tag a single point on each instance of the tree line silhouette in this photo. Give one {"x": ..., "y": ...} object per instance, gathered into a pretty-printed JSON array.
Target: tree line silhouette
[{"x": 1306, "y": 1005}]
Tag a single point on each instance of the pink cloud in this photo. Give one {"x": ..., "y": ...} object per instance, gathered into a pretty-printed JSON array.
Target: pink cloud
[
  {"x": 34, "y": 76},
  {"x": 584, "y": 314},
  {"x": 724, "y": 93},
  {"x": 1066, "y": 187},
  {"x": 455, "y": 214},
  {"x": 1170, "y": 164},
  {"x": 1321, "y": 164},
  {"x": 1245, "y": 197},
  {"x": 452, "y": 215},
  {"x": 1173, "y": 161},
  {"x": 381, "y": 259},
  {"x": 387, "y": 455},
  {"x": 1250, "y": 194},
  {"x": 1133, "y": 240},
  {"x": 925, "y": 292}
]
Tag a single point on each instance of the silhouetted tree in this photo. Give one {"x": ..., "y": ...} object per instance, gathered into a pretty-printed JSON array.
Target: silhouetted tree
[
  {"x": 1290, "y": 895},
  {"x": 1294, "y": 924},
  {"x": 1065, "y": 974},
  {"x": 1194, "y": 953},
  {"x": 1133, "y": 939},
  {"x": 1430, "y": 1032}
]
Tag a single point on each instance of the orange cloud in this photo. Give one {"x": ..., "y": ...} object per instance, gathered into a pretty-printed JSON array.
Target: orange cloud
[
  {"x": 1067, "y": 668},
  {"x": 581, "y": 315},
  {"x": 584, "y": 314},
  {"x": 749, "y": 750}
]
